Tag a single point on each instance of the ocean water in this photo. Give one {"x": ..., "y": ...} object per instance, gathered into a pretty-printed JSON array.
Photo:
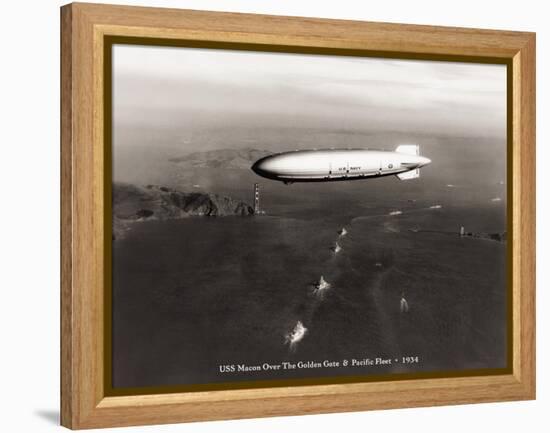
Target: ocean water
[{"x": 195, "y": 294}]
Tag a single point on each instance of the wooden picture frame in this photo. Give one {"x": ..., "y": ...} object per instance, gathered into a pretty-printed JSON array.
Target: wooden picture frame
[{"x": 85, "y": 28}]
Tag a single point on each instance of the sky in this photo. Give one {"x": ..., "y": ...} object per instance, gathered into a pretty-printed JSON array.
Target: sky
[{"x": 198, "y": 97}]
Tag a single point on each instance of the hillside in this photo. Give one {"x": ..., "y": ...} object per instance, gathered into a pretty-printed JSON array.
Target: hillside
[{"x": 134, "y": 203}]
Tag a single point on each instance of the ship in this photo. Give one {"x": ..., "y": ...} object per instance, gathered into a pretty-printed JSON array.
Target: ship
[
  {"x": 297, "y": 334},
  {"x": 342, "y": 232},
  {"x": 336, "y": 248},
  {"x": 322, "y": 284}
]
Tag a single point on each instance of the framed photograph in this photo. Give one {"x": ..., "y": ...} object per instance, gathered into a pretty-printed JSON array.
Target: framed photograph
[{"x": 267, "y": 215}]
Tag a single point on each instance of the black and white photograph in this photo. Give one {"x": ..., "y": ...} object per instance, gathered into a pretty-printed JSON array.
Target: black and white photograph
[{"x": 289, "y": 217}]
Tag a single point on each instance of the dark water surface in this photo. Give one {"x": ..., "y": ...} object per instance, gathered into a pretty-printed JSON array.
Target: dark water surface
[{"x": 193, "y": 294}]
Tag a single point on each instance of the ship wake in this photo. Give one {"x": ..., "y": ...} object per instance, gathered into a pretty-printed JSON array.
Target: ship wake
[
  {"x": 295, "y": 336},
  {"x": 320, "y": 288}
]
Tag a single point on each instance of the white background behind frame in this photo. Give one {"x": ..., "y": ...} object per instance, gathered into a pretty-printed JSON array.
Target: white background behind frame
[{"x": 29, "y": 219}]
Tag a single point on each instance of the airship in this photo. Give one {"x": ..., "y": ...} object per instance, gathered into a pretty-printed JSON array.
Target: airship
[{"x": 325, "y": 165}]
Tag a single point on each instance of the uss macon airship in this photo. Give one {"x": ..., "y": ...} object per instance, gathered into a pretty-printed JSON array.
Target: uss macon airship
[{"x": 341, "y": 164}]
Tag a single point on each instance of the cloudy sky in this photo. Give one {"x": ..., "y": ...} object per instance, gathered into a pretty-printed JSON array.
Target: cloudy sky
[{"x": 186, "y": 92}]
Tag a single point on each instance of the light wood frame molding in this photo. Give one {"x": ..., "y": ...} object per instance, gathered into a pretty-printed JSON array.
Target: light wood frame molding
[{"x": 83, "y": 225}]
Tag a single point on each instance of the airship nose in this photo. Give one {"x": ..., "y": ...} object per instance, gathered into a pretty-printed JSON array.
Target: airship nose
[
  {"x": 260, "y": 167},
  {"x": 256, "y": 167}
]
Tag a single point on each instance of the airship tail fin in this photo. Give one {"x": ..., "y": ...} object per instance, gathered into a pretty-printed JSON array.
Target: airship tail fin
[
  {"x": 412, "y": 174},
  {"x": 408, "y": 149}
]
